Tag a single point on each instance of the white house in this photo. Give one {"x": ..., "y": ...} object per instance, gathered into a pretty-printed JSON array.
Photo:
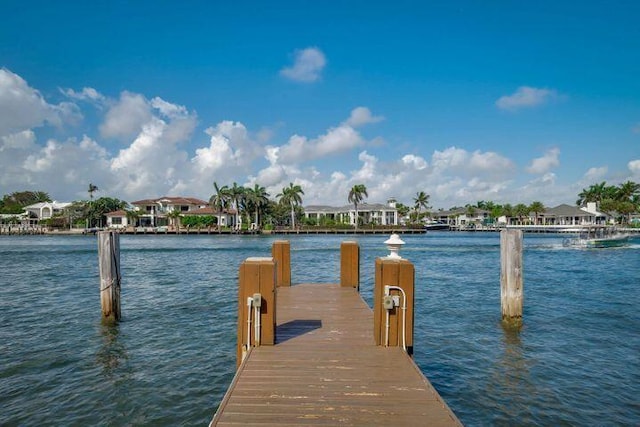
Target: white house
[
  {"x": 45, "y": 210},
  {"x": 375, "y": 213},
  {"x": 153, "y": 212}
]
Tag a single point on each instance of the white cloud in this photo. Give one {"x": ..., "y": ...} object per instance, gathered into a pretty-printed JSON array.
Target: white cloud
[
  {"x": 86, "y": 94},
  {"x": 307, "y": 66},
  {"x": 595, "y": 174},
  {"x": 362, "y": 116},
  {"x": 634, "y": 167},
  {"x": 543, "y": 164},
  {"x": 22, "y": 107},
  {"x": 126, "y": 118},
  {"x": 526, "y": 97}
]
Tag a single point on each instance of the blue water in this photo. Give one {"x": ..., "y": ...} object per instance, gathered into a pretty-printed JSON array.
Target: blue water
[{"x": 576, "y": 360}]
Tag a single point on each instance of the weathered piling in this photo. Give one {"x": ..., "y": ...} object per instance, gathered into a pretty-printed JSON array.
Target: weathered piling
[
  {"x": 350, "y": 264},
  {"x": 256, "y": 304},
  {"x": 511, "y": 277},
  {"x": 281, "y": 253},
  {"x": 393, "y": 297},
  {"x": 110, "y": 277}
]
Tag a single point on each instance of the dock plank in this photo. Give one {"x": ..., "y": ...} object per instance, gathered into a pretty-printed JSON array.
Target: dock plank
[{"x": 325, "y": 369}]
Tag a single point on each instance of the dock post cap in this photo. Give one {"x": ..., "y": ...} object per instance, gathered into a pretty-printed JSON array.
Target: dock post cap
[{"x": 394, "y": 243}]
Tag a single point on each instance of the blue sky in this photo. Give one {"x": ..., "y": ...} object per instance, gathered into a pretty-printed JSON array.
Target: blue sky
[{"x": 504, "y": 101}]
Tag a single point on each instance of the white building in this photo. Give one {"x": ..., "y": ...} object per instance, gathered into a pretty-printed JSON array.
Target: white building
[
  {"x": 153, "y": 212},
  {"x": 45, "y": 210},
  {"x": 375, "y": 213}
]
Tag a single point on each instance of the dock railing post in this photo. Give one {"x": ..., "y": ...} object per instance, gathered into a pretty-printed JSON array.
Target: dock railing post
[
  {"x": 110, "y": 277},
  {"x": 281, "y": 252},
  {"x": 511, "y": 278},
  {"x": 393, "y": 300},
  {"x": 256, "y": 304},
  {"x": 350, "y": 265}
]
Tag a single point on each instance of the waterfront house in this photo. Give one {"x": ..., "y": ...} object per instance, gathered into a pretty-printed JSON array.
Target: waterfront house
[
  {"x": 462, "y": 217},
  {"x": 572, "y": 215},
  {"x": 369, "y": 213},
  {"x": 44, "y": 210},
  {"x": 117, "y": 219},
  {"x": 154, "y": 212}
]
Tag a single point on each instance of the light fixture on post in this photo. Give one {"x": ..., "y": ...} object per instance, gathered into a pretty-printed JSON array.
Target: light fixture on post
[{"x": 394, "y": 243}]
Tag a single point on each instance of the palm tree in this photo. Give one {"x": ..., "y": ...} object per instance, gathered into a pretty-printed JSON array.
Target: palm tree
[
  {"x": 357, "y": 193},
  {"x": 421, "y": 201},
  {"x": 132, "y": 216},
  {"x": 236, "y": 194},
  {"x": 258, "y": 198},
  {"x": 627, "y": 190},
  {"x": 92, "y": 189},
  {"x": 291, "y": 196},
  {"x": 521, "y": 210},
  {"x": 220, "y": 199},
  {"x": 536, "y": 207},
  {"x": 174, "y": 215}
]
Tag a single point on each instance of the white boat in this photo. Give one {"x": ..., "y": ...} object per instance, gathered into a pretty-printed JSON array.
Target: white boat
[{"x": 599, "y": 236}]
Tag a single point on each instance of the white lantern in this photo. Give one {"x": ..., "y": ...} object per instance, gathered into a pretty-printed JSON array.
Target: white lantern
[{"x": 394, "y": 243}]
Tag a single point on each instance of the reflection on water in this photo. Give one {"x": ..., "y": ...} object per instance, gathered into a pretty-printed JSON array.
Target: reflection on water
[{"x": 112, "y": 354}]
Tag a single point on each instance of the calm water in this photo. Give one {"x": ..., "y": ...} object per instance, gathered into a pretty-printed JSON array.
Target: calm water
[{"x": 169, "y": 362}]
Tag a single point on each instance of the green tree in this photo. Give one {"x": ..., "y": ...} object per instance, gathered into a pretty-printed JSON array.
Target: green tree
[
  {"x": 537, "y": 208},
  {"x": 174, "y": 216},
  {"x": 421, "y": 201},
  {"x": 133, "y": 216},
  {"x": 15, "y": 202},
  {"x": 521, "y": 210},
  {"x": 291, "y": 196},
  {"x": 98, "y": 208},
  {"x": 258, "y": 198},
  {"x": 357, "y": 193},
  {"x": 236, "y": 195}
]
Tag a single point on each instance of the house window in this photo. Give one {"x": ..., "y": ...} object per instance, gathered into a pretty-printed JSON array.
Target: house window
[
  {"x": 116, "y": 220},
  {"x": 184, "y": 208}
]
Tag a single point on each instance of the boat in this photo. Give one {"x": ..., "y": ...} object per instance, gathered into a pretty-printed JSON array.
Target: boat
[
  {"x": 436, "y": 225},
  {"x": 600, "y": 236}
]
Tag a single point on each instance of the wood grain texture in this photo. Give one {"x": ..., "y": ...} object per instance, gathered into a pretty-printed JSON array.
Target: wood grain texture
[{"x": 326, "y": 369}]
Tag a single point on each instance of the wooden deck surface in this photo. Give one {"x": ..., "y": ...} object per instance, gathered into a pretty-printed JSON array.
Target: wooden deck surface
[{"x": 325, "y": 369}]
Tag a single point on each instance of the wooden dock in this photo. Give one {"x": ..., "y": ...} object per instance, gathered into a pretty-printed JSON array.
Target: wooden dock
[{"x": 325, "y": 369}]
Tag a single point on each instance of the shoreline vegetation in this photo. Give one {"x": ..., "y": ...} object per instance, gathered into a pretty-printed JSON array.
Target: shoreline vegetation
[{"x": 38, "y": 230}]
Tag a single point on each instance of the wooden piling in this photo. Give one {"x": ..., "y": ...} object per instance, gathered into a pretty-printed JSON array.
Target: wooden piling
[
  {"x": 350, "y": 264},
  {"x": 256, "y": 276},
  {"x": 110, "y": 277},
  {"x": 281, "y": 253},
  {"x": 511, "y": 278},
  {"x": 396, "y": 273}
]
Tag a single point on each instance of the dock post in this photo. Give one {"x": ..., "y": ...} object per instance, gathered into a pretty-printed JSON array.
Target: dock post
[
  {"x": 281, "y": 252},
  {"x": 256, "y": 304},
  {"x": 393, "y": 297},
  {"x": 511, "y": 278},
  {"x": 350, "y": 264},
  {"x": 109, "y": 266}
]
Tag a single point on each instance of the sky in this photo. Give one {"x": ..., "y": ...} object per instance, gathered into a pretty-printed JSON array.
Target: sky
[{"x": 503, "y": 101}]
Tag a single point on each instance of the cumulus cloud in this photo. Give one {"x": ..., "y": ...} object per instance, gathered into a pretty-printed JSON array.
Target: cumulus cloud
[
  {"x": 526, "y": 97},
  {"x": 541, "y": 165},
  {"x": 361, "y": 116},
  {"x": 634, "y": 167},
  {"x": 126, "y": 117},
  {"x": 23, "y": 108},
  {"x": 307, "y": 65}
]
